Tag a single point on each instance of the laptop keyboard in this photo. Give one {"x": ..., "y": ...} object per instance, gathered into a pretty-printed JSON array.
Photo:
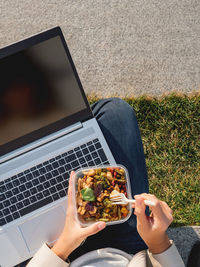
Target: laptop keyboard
[{"x": 47, "y": 182}]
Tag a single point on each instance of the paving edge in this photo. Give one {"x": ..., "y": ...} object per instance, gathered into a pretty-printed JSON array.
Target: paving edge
[{"x": 184, "y": 238}]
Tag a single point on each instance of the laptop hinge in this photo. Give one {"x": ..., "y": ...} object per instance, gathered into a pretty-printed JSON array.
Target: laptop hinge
[{"x": 41, "y": 142}]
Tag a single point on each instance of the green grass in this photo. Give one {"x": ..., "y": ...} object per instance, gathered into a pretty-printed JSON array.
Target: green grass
[{"x": 170, "y": 130}]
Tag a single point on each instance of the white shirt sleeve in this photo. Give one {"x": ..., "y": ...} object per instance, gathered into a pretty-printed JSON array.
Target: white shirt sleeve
[
  {"x": 168, "y": 258},
  {"x": 138, "y": 260},
  {"x": 45, "y": 257}
]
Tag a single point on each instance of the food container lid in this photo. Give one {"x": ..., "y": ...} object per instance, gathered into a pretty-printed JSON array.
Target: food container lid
[{"x": 79, "y": 174}]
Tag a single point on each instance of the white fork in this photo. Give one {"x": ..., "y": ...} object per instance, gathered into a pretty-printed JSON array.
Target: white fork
[{"x": 121, "y": 199}]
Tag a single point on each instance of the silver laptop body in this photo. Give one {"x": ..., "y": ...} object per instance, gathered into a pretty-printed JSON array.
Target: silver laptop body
[{"x": 46, "y": 130}]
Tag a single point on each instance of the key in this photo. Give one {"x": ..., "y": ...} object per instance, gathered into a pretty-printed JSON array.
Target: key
[
  {"x": 88, "y": 157},
  {"x": 28, "y": 185},
  {"x": 82, "y": 160},
  {"x": 16, "y": 183},
  {"x": 46, "y": 193},
  {"x": 19, "y": 205},
  {"x": 35, "y": 206},
  {"x": 55, "y": 196},
  {"x": 39, "y": 196},
  {"x": 79, "y": 154},
  {"x": 22, "y": 179},
  {"x": 94, "y": 155},
  {"x": 27, "y": 194},
  {"x": 75, "y": 164},
  {"x": 55, "y": 165},
  {"x": 2, "y": 197},
  {"x": 40, "y": 187},
  {"x": 16, "y": 215},
  {"x": 59, "y": 187},
  {"x": 6, "y": 203},
  {"x": 2, "y": 221},
  {"x": 89, "y": 143},
  {"x": 52, "y": 190},
  {"x": 15, "y": 191},
  {"x": 13, "y": 200},
  {"x": 29, "y": 176},
  {"x": 61, "y": 162},
  {"x": 85, "y": 151},
  {"x": 42, "y": 171},
  {"x": 33, "y": 191},
  {"x": 49, "y": 168},
  {"x": 22, "y": 188},
  {"x": 102, "y": 155},
  {"x": 13, "y": 208},
  {"x": 35, "y": 182},
  {"x": 42, "y": 179},
  {"x": 2, "y": 189},
  {"x": 6, "y": 212},
  {"x": 70, "y": 158},
  {"x": 9, "y": 218},
  {"x": 36, "y": 174},
  {"x": 46, "y": 185},
  {"x": 59, "y": 179},
  {"x": 26, "y": 202},
  {"x": 61, "y": 170},
  {"x": 91, "y": 148},
  {"x": 20, "y": 197},
  {"x": 97, "y": 145},
  {"x": 9, "y": 186},
  {"x": 33, "y": 199},
  {"x": 62, "y": 193}
]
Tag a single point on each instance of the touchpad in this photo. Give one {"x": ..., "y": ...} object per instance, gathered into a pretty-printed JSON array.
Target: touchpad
[{"x": 44, "y": 228}]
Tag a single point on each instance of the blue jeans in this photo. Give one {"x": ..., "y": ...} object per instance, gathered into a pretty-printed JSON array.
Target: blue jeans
[{"x": 118, "y": 123}]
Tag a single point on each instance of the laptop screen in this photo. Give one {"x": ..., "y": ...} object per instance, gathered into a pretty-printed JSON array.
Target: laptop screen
[{"x": 39, "y": 89}]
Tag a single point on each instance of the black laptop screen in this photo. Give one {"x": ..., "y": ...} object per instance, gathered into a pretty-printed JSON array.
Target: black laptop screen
[{"x": 38, "y": 89}]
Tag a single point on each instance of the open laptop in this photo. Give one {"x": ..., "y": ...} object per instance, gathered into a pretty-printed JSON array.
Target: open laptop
[{"x": 47, "y": 129}]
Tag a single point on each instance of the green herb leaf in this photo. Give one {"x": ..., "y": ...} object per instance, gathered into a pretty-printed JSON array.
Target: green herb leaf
[{"x": 88, "y": 194}]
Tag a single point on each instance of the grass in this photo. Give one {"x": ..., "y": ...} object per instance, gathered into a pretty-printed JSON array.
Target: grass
[{"x": 170, "y": 130}]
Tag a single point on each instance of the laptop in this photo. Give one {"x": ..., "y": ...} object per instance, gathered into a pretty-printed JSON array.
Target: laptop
[{"x": 47, "y": 129}]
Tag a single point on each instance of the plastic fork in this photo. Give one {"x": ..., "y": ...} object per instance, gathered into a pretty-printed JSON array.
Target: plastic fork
[{"x": 121, "y": 199}]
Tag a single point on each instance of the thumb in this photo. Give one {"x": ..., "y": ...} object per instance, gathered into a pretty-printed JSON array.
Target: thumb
[
  {"x": 140, "y": 211},
  {"x": 94, "y": 228}
]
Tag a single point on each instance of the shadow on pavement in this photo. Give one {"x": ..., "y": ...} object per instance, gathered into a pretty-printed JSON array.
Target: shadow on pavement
[{"x": 184, "y": 238}]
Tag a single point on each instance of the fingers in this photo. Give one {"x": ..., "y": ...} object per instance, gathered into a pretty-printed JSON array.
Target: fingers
[
  {"x": 161, "y": 211},
  {"x": 94, "y": 228},
  {"x": 161, "y": 206},
  {"x": 70, "y": 188},
  {"x": 140, "y": 211},
  {"x": 166, "y": 207}
]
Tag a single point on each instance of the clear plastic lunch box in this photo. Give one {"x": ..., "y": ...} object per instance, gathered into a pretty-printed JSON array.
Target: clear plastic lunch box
[{"x": 79, "y": 174}]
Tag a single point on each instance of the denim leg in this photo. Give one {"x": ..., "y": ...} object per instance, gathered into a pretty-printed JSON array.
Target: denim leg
[{"x": 118, "y": 123}]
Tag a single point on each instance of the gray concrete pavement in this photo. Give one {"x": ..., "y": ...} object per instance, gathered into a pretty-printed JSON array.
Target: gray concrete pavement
[
  {"x": 122, "y": 48},
  {"x": 119, "y": 47},
  {"x": 184, "y": 238}
]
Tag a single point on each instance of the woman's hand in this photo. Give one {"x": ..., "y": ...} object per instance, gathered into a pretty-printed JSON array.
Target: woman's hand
[
  {"x": 73, "y": 233},
  {"x": 153, "y": 228}
]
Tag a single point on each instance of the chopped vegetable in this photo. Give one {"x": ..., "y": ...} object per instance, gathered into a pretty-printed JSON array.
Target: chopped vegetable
[
  {"x": 98, "y": 189},
  {"x": 88, "y": 194},
  {"x": 89, "y": 206},
  {"x": 124, "y": 211}
]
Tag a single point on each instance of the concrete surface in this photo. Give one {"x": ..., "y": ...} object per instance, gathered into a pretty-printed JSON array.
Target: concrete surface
[
  {"x": 119, "y": 47},
  {"x": 122, "y": 48},
  {"x": 184, "y": 238}
]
